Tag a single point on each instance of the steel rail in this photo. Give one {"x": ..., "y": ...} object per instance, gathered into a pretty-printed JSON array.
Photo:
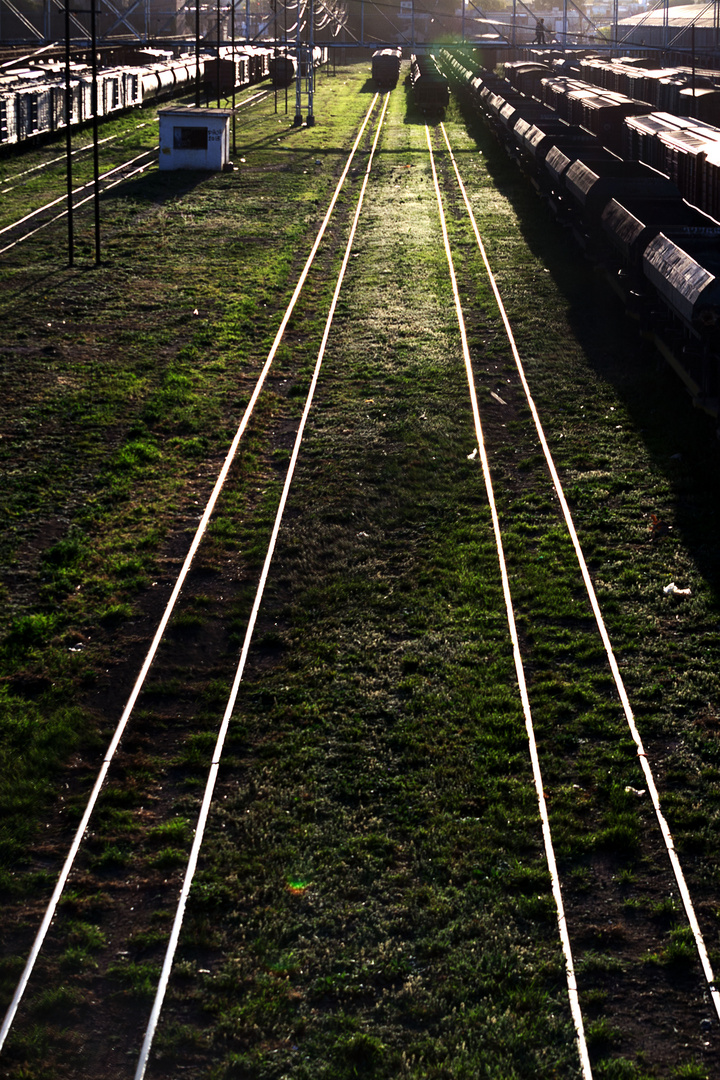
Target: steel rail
[
  {"x": 111, "y": 138},
  {"x": 519, "y": 669},
  {"x": 77, "y": 191},
  {"x": 592, "y": 596},
  {"x": 229, "y": 708},
  {"x": 56, "y": 161},
  {"x": 159, "y": 633},
  {"x": 76, "y": 206}
]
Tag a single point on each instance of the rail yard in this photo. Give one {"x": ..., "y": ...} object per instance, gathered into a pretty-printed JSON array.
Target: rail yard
[{"x": 361, "y": 632}]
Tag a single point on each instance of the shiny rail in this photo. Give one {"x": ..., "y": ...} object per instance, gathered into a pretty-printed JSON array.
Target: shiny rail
[{"x": 162, "y": 626}]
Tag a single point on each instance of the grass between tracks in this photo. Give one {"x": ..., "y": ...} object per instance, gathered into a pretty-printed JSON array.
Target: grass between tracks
[{"x": 373, "y": 899}]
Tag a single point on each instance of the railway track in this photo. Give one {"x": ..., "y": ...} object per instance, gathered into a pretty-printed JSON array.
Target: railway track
[
  {"x": 17, "y": 179},
  {"x": 374, "y": 840},
  {"x": 706, "y": 997},
  {"x": 45, "y": 213},
  {"x": 125, "y": 718}
]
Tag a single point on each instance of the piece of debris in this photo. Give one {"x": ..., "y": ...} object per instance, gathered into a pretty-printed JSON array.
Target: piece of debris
[
  {"x": 471, "y": 457},
  {"x": 657, "y": 527},
  {"x": 672, "y": 590},
  {"x": 497, "y": 397}
]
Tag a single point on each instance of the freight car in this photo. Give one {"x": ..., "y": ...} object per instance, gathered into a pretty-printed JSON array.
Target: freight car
[
  {"x": 32, "y": 100},
  {"x": 386, "y": 67},
  {"x": 687, "y": 150},
  {"x": 284, "y": 67},
  {"x": 429, "y": 85},
  {"x": 600, "y": 111},
  {"x": 236, "y": 67},
  {"x": 661, "y": 253},
  {"x": 676, "y": 90},
  {"x": 226, "y": 73}
]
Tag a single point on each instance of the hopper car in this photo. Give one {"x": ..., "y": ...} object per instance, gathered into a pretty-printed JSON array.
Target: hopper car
[
  {"x": 386, "y": 67},
  {"x": 660, "y": 252},
  {"x": 429, "y": 84}
]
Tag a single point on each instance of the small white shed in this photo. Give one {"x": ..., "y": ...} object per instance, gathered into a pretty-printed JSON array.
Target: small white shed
[{"x": 194, "y": 138}]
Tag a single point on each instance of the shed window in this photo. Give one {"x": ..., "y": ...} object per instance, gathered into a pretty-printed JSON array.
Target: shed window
[{"x": 190, "y": 138}]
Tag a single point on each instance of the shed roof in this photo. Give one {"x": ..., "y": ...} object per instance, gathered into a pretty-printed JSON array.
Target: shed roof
[{"x": 189, "y": 110}]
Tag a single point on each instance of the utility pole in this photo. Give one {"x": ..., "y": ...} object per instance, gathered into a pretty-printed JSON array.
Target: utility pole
[
  {"x": 96, "y": 153},
  {"x": 311, "y": 66},
  {"x": 565, "y": 23},
  {"x": 234, "y": 65},
  {"x": 297, "y": 122},
  {"x": 615, "y": 26},
  {"x": 219, "y": 33},
  {"x": 197, "y": 54},
  {"x": 68, "y": 135}
]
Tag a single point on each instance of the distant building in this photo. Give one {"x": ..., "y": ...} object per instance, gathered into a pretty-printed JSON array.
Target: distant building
[{"x": 663, "y": 27}]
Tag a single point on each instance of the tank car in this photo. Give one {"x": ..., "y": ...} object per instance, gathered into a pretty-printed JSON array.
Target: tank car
[{"x": 283, "y": 69}]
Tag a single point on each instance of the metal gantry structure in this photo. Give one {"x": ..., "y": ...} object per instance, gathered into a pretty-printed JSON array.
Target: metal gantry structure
[
  {"x": 155, "y": 22},
  {"x": 181, "y": 23}
]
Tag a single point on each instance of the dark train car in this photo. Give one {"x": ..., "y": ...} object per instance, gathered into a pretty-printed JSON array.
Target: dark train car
[
  {"x": 630, "y": 222},
  {"x": 701, "y": 103},
  {"x": 590, "y": 186},
  {"x": 661, "y": 253},
  {"x": 386, "y": 67},
  {"x": 604, "y": 116},
  {"x": 685, "y": 274},
  {"x": 283, "y": 69},
  {"x": 430, "y": 87},
  {"x": 688, "y": 151},
  {"x": 526, "y": 76},
  {"x": 226, "y": 74}
]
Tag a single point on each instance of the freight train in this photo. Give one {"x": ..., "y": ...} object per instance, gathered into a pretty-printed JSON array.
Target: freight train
[
  {"x": 682, "y": 91},
  {"x": 661, "y": 253},
  {"x": 32, "y": 99},
  {"x": 685, "y": 148}
]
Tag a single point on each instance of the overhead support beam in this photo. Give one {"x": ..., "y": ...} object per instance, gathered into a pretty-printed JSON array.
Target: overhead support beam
[
  {"x": 122, "y": 17},
  {"x": 83, "y": 30}
]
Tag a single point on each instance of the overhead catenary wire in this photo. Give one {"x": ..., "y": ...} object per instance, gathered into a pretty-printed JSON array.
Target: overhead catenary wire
[
  {"x": 230, "y": 706},
  {"x": 517, "y": 658},
  {"x": 159, "y": 633},
  {"x": 612, "y": 661}
]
